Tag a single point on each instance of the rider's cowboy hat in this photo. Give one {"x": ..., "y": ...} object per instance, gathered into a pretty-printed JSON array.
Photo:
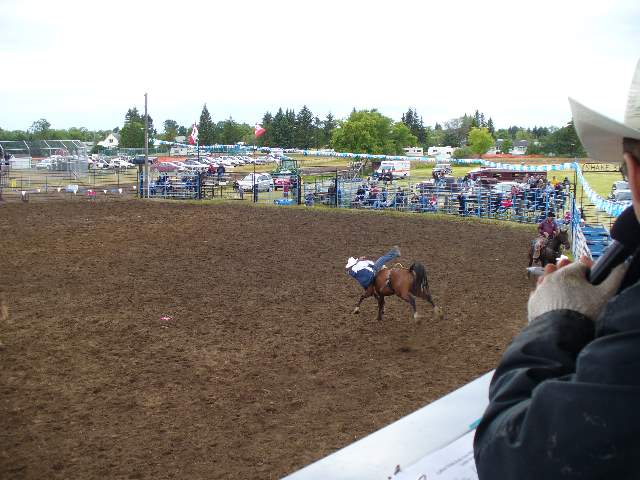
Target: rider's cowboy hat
[
  {"x": 602, "y": 136},
  {"x": 351, "y": 262}
]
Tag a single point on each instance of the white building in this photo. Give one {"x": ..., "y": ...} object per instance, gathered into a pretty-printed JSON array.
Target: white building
[
  {"x": 446, "y": 151},
  {"x": 413, "y": 151},
  {"x": 112, "y": 141}
]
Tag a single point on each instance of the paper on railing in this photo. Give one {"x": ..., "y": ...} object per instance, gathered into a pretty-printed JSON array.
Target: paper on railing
[{"x": 453, "y": 462}]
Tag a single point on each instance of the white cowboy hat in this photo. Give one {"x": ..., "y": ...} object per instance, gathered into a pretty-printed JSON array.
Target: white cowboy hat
[
  {"x": 351, "y": 262},
  {"x": 602, "y": 136}
]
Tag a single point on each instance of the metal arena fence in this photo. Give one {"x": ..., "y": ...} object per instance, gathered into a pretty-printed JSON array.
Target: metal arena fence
[{"x": 523, "y": 206}]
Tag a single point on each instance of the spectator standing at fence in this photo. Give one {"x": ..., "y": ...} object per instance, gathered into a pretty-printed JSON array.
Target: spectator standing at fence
[
  {"x": 462, "y": 202},
  {"x": 285, "y": 189},
  {"x": 563, "y": 402},
  {"x": 360, "y": 193},
  {"x": 220, "y": 172}
]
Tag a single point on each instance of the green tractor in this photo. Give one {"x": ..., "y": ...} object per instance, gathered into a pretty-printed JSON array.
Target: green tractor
[
  {"x": 285, "y": 173},
  {"x": 287, "y": 166}
]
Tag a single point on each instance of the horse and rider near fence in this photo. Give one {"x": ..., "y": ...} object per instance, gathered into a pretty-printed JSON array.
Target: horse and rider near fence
[{"x": 552, "y": 249}]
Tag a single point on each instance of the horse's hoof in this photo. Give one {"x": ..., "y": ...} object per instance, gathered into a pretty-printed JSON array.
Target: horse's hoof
[
  {"x": 437, "y": 311},
  {"x": 356, "y": 310}
]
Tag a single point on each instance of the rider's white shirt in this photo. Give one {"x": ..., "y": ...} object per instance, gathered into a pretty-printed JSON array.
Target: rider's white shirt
[{"x": 362, "y": 264}]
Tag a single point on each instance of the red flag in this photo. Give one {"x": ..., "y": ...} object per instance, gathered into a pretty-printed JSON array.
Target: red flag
[
  {"x": 259, "y": 130},
  {"x": 193, "y": 138}
]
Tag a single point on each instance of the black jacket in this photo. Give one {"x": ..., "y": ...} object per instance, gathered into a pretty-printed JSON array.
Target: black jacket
[{"x": 564, "y": 401}]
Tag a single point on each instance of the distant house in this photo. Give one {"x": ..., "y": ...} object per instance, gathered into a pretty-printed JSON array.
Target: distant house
[
  {"x": 519, "y": 147},
  {"x": 180, "y": 139},
  {"x": 112, "y": 141}
]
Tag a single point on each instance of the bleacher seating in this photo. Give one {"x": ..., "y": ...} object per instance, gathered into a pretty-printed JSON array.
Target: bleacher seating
[{"x": 597, "y": 238}]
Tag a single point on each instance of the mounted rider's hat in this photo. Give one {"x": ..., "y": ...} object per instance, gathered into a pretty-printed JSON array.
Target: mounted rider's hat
[
  {"x": 602, "y": 136},
  {"x": 351, "y": 262}
]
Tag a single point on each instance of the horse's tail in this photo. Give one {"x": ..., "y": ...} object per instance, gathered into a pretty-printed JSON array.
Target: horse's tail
[
  {"x": 420, "y": 279},
  {"x": 420, "y": 282}
]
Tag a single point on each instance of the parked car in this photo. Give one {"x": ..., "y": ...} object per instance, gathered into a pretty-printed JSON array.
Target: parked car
[
  {"x": 168, "y": 167},
  {"x": 444, "y": 168},
  {"x": 47, "y": 164},
  {"x": 100, "y": 165},
  {"x": 119, "y": 163},
  {"x": 622, "y": 195},
  {"x": 280, "y": 182},
  {"x": 505, "y": 187},
  {"x": 620, "y": 185},
  {"x": 264, "y": 182}
]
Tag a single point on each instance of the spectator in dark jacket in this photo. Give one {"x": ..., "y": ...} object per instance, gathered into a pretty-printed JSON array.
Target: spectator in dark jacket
[
  {"x": 563, "y": 402},
  {"x": 220, "y": 171}
]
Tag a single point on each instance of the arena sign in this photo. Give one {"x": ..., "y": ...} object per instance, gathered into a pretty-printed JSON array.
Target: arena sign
[{"x": 600, "y": 167}]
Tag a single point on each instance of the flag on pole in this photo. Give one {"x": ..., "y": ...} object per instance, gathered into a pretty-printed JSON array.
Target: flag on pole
[
  {"x": 259, "y": 130},
  {"x": 193, "y": 138}
]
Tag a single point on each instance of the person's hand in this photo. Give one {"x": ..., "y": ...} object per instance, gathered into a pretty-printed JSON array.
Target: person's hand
[
  {"x": 565, "y": 287},
  {"x": 546, "y": 234}
]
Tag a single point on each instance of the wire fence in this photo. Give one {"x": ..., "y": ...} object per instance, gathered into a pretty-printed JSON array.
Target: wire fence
[{"x": 52, "y": 184}]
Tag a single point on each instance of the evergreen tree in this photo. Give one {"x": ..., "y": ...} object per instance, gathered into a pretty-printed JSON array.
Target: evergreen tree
[
  {"x": 304, "y": 137},
  {"x": 564, "y": 142},
  {"x": 421, "y": 133},
  {"x": 318, "y": 134},
  {"x": 477, "y": 120},
  {"x": 415, "y": 124},
  {"x": 206, "y": 128},
  {"x": 290, "y": 128},
  {"x": 132, "y": 115},
  {"x": 230, "y": 132},
  {"x": 266, "y": 138},
  {"x": 279, "y": 135},
  {"x": 132, "y": 133},
  {"x": 491, "y": 128},
  {"x": 328, "y": 126}
]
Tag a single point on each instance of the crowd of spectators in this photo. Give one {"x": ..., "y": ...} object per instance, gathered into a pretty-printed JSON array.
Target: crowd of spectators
[{"x": 531, "y": 198}]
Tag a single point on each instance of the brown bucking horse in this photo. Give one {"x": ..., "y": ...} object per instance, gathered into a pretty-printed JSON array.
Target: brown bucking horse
[{"x": 406, "y": 283}]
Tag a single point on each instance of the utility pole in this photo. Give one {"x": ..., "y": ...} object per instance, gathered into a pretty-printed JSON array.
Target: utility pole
[{"x": 146, "y": 147}]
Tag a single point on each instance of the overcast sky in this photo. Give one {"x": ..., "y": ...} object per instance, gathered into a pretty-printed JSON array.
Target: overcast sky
[{"x": 84, "y": 63}]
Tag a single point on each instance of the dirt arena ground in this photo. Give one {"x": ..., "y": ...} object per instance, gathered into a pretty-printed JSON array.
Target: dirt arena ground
[{"x": 170, "y": 340}]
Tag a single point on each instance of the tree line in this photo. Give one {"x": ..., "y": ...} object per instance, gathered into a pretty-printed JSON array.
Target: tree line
[{"x": 363, "y": 131}]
